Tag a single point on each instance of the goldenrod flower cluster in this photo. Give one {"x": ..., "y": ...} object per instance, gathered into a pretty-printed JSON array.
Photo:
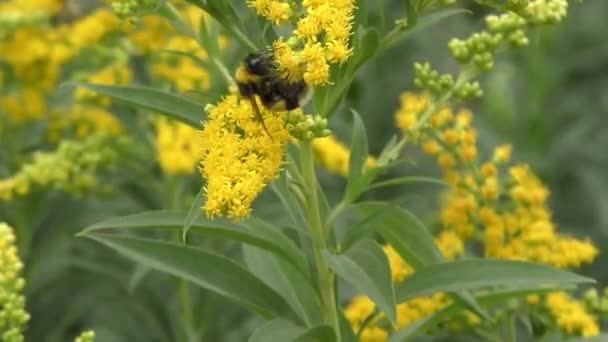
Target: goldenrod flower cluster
[
  {"x": 334, "y": 156},
  {"x": 153, "y": 34},
  {"x": 177, "y": 146},
  {"x": 86, "y": 336},
  {"x": 504, "y": 206},
  {"x": 71, "y": 168},
  {"x": 82, "y": 121},
  {"x": 320, "y": 36},
  {"x": 37, "y": 54},
  {"x": 361, "y": 307},
  {"x": 28, "y": 105},
  {"x": 239, "y": 158},
  {"x": 13, "y": 316},
  {"x": 570, "y": 315}
]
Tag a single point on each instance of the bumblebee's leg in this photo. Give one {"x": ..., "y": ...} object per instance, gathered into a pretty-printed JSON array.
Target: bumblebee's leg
[{"x": 258, "y": 114}]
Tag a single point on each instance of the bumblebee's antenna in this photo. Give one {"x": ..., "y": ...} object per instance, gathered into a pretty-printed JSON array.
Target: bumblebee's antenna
[{"x": 258, "y": 114}]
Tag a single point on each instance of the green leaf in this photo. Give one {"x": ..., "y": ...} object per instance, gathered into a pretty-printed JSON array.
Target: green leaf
[
  {"x": 173, "y": 105},
  {"x": 346, "y": 330},
  {"x": 486, "y": 300},
  {"x": 366, "y": 267},
  {"x": 358, "y": 155},
  {"x": 367, "y": 47},
  {"x": 423, "y": 21},
  {"x": 401, "y": 229},
  {"x": 481, "y": 273},
  {"x": 282, "y": 277},
  {"x": 257, "y": 236},
  {"x": 285, "y": 331},
  {"x": 208, "y": 270},
  {"x": 194, "y": 213},
  {"x": 281, "y": 188}
]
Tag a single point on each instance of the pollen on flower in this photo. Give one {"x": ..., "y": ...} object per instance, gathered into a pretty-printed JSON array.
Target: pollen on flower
[{"x": 238, "y": 157}]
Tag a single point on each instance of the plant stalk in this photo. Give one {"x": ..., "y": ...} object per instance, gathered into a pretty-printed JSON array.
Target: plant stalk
[{"x": 319, "y": 243}]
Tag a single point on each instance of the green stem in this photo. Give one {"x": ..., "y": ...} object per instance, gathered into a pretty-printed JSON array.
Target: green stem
[
  {"x": 319, "y": 242},
  {"x": 174, "y": 190}
]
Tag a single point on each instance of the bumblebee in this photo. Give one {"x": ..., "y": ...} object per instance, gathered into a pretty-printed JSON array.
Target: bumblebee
[{"x": 258, "y": 75}]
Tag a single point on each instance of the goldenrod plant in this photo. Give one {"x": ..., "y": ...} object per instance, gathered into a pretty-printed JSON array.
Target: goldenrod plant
[{"x": 202, "y": 140}]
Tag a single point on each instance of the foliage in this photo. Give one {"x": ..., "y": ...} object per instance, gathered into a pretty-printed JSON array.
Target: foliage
[{"x": 286, "y": 232}]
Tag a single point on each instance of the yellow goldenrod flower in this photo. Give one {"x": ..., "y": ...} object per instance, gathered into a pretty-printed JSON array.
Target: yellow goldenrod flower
[
  {"x": 238, "y": 157},
  {"x": 320, "y": 36},
  {"x": 89, "y": 30},
  {"x": 334, "y": 156},
  {"x": 571, "y": 315},
  {"x": 509, "y": 208},
  {"x": 30, "y": 105},
  {"x": 13, "y": 316},
  {"x": 177, "y": 146},
  {"x": 150, "y": 35}
]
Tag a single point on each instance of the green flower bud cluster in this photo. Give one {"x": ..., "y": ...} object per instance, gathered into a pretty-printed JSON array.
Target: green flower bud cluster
[
  {"x": 71, "y": 168},
  {"x": 306, "y": 127},
  {"x": 12, "y": 21},
  {"x": 540, "y": 12},
  {"x": 13, "y": 316},
  {"x": 125, "y": 9},
  {"x": 438, "y": 84},
  {"x": 596, "y": 302},
  {"x": 86, "y": 336},
  {"x": 481, "y": 47}
]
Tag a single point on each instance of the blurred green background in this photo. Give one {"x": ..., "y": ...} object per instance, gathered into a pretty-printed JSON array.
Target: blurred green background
[{"x": 549, "y": 100}]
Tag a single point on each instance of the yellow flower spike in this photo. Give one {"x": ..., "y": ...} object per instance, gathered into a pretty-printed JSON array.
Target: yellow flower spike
[
  {"x": 320, "y": 37},
  {"x": 238, "y": 157},
  {"x": 571, "y": 315},
  {"x": 177, "y": 146}
]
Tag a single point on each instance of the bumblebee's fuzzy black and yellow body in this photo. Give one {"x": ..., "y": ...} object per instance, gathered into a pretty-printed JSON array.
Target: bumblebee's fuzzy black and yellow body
[{"x": 258, "y": 75}]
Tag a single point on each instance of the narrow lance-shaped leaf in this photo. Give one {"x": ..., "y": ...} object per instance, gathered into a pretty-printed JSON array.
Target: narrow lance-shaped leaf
[
  {"x": 173, "y": 105},
  {"x": 486, "y": 300},
  {"x": 285, "y": 331},
  {"x": 169, "y": 219},
  {"x": 481, "y": 273},
  {"x": 358, "y": 157},
  {"x": 208, "y": 270},
  {"x": 282, "y": 277},
  {"x": 366, "y": 267}
]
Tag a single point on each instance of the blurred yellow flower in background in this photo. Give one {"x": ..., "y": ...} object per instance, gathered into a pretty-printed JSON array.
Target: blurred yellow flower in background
[{"x": 178, "y": 146}]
